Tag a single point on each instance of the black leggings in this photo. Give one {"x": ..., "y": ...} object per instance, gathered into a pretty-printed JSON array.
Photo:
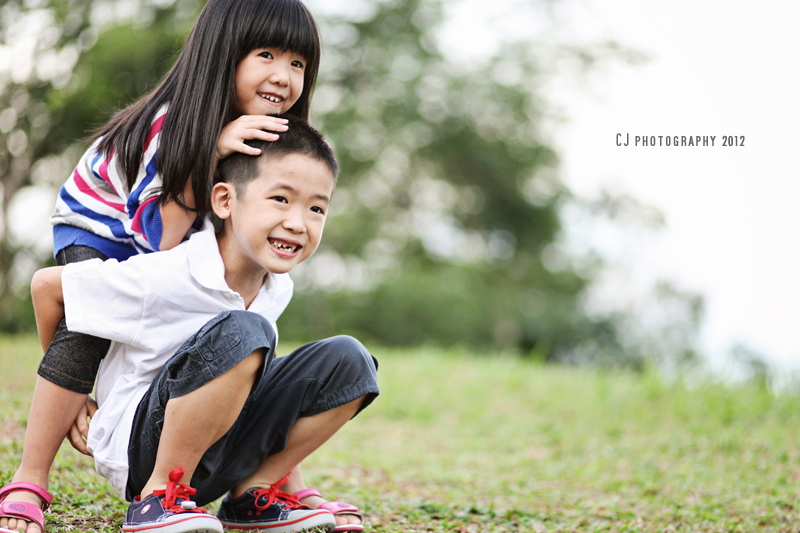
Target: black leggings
[{"x": 72, "y": 359}]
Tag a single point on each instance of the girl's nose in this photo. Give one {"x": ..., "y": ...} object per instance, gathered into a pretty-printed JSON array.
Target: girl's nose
[{"x": 280, "y": 73}]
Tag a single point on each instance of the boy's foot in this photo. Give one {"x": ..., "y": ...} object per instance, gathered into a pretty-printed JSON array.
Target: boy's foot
[
  {"x": 170, "y": 511},
  {"x": 272, "y": 510},
  {"x": 348, "y": 517}
]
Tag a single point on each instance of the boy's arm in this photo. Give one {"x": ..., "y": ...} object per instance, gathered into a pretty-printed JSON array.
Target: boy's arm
[{"x": 48, "y": 303}]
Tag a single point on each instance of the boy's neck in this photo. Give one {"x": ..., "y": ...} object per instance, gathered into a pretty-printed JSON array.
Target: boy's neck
[{"x": 240, "y": 278}]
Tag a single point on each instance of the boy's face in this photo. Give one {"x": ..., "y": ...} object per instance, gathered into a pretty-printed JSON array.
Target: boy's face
[{"x": 277, "y": 223}]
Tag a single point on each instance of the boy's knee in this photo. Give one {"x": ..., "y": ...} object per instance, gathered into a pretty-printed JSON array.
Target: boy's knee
[
  {"x": 352, "y": 353},
  {"x": 252, "y": 325}
]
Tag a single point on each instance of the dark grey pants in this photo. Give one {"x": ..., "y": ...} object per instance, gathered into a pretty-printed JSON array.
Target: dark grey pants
[
  {"x": 314, "y": 378},
  {"x": 72, "y": 359}
]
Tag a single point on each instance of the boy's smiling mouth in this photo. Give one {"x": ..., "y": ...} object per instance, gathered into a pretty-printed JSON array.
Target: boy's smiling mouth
[{"x": 285, "y": 247}]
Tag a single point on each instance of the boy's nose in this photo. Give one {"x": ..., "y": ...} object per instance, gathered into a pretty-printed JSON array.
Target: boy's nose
[{"x": 294, "y": 221}]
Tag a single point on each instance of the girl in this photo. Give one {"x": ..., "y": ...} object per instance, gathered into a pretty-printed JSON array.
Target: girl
[{"x": 144, "y": 183}]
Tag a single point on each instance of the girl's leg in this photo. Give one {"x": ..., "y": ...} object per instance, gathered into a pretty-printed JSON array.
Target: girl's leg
[{"x": 66, "y": 376}]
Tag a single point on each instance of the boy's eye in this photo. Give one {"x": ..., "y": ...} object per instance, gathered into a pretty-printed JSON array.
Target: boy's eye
[
  {"x": 317, "y": 209},
  {"x": 280, "y": 199}
]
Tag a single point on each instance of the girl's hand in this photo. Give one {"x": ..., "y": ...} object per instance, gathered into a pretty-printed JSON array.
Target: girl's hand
[{"x": 248, "y": 127}]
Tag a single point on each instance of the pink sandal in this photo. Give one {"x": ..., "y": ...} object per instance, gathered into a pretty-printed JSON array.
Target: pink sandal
[
  {"x": 25, "y": 511},
  {"x": 336, "y": 508}
]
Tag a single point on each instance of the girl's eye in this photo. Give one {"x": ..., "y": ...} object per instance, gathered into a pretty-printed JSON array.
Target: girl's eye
[
  {"x": 280, "y": 199},
  {"x": 297, "y": 64},
  {"x": 266, "y": 55},
  {"x": 317, "y": 209}
]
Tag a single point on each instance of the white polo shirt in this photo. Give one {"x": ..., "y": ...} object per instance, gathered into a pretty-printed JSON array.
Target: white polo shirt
[{"x": 149, "y": 305}]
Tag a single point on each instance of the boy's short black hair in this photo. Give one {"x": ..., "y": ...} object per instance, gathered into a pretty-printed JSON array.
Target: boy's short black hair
[{"x": 240, "y": 169}]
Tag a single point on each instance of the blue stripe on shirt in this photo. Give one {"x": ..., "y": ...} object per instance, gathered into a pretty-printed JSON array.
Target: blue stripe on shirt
[
  {"x": 114, "y": 225},
  {"x": 64, "y": 235},
  {"x": 134, "y": 198}
]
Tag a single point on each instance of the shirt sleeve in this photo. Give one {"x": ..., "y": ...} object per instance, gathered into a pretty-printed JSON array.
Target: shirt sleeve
[
  {"x": 147, "y": 221},
  {"x": 142, "y": 204},
  {"x": 105, "y": 299}
]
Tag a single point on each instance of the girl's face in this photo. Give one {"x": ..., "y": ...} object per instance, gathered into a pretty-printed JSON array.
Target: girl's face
[{"x": 269, "y": 81}]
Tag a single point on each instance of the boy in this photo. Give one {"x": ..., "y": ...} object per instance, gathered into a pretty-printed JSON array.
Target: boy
[{"x": 219, "y": 412}]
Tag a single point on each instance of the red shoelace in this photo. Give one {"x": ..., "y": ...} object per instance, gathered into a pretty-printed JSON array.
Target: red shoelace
[
  {"x": 274, "y": 494},
  {"x": 175, "y": 491}
]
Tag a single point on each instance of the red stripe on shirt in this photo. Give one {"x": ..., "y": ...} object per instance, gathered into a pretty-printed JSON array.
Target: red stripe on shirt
[
  {"x": 103, "y": 171},
  {"x": 86, "y": 189},
  {"x": 154, "y": 129}
]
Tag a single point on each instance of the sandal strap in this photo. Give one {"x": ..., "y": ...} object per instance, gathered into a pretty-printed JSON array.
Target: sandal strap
[
  {"x": 27, "y": 487},
  {"x": 29, "y": 512},
  {"x": 342, "y": 508},
  {"x": 305, "y": 493}
]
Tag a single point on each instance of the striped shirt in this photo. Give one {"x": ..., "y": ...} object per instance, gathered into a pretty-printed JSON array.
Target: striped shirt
[{"x": 96, "y": 208}]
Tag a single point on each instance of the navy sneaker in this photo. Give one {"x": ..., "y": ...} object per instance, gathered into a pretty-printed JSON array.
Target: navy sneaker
[
  {"x": 273, "y": 510},
  {"x": 170, "y": 511}
]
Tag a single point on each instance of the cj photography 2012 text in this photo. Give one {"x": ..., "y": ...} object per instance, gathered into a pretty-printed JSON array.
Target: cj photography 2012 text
[{"x": 626, "y": 139}]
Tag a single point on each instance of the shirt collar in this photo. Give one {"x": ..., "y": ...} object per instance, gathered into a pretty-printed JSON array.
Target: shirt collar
[
  {"x": 205, "y": 262},
  {"x": 207, "y": 268}
]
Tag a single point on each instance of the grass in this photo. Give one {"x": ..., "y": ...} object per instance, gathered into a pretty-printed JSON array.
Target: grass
[{"x": 466, "y": 444}]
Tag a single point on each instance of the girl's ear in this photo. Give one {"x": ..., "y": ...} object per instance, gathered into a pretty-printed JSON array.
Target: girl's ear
[{"x": 222, "y": 196}]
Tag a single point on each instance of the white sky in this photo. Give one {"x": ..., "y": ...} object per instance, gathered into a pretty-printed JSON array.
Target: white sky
[{"x": 717, "y": 67}]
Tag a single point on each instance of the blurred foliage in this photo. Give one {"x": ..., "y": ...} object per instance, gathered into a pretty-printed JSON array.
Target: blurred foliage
[{"x": 449, "y": 199}]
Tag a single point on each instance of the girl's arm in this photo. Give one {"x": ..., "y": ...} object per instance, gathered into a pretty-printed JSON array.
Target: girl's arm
[
  {"x": 48, "y": 303},
  {"x": 175, "y": 220}
]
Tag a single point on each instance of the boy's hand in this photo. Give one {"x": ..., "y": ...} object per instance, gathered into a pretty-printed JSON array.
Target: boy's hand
[
  {"x": 79, "y": 431},
  {"x": 248, "y": 127}
]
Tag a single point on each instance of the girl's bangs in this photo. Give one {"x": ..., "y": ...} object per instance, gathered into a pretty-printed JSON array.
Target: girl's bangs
[{"x": 286, "y": 25}]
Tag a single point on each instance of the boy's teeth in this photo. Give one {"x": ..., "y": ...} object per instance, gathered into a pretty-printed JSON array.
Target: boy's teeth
[{"x": 281, "y": 246}]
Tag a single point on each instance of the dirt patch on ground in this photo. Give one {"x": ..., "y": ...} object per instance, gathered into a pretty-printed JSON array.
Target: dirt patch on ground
[{"x": 11, "y": 431}]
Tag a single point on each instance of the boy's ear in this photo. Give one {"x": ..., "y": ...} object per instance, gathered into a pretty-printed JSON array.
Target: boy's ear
[{"x": 221, "y": 197}]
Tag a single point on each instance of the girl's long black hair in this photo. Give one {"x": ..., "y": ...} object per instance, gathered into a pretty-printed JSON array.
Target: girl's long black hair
[{"x": 200, "y": 89}]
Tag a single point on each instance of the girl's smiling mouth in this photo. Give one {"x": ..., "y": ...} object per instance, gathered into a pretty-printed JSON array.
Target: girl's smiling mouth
[{"x": 271, "y": 98}]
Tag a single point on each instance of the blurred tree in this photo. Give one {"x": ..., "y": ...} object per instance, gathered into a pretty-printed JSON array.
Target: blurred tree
[
  {"x": 448, "y": 201},
  {"x": 65, "y": 67},
  {"x": 445, "y": 223}
]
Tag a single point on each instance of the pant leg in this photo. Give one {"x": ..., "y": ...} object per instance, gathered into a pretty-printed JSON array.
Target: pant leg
[
  {"x": 73, "y": 359},
  {"x": 315, "y": 378}
]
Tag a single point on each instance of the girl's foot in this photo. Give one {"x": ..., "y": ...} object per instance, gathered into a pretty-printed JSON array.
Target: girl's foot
[
  {"x": 19, "y": 524},
  {"x": 343, "y": 518}
]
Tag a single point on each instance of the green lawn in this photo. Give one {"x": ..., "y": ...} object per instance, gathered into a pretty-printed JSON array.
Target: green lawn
[{"x": 468, "y": 444}]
